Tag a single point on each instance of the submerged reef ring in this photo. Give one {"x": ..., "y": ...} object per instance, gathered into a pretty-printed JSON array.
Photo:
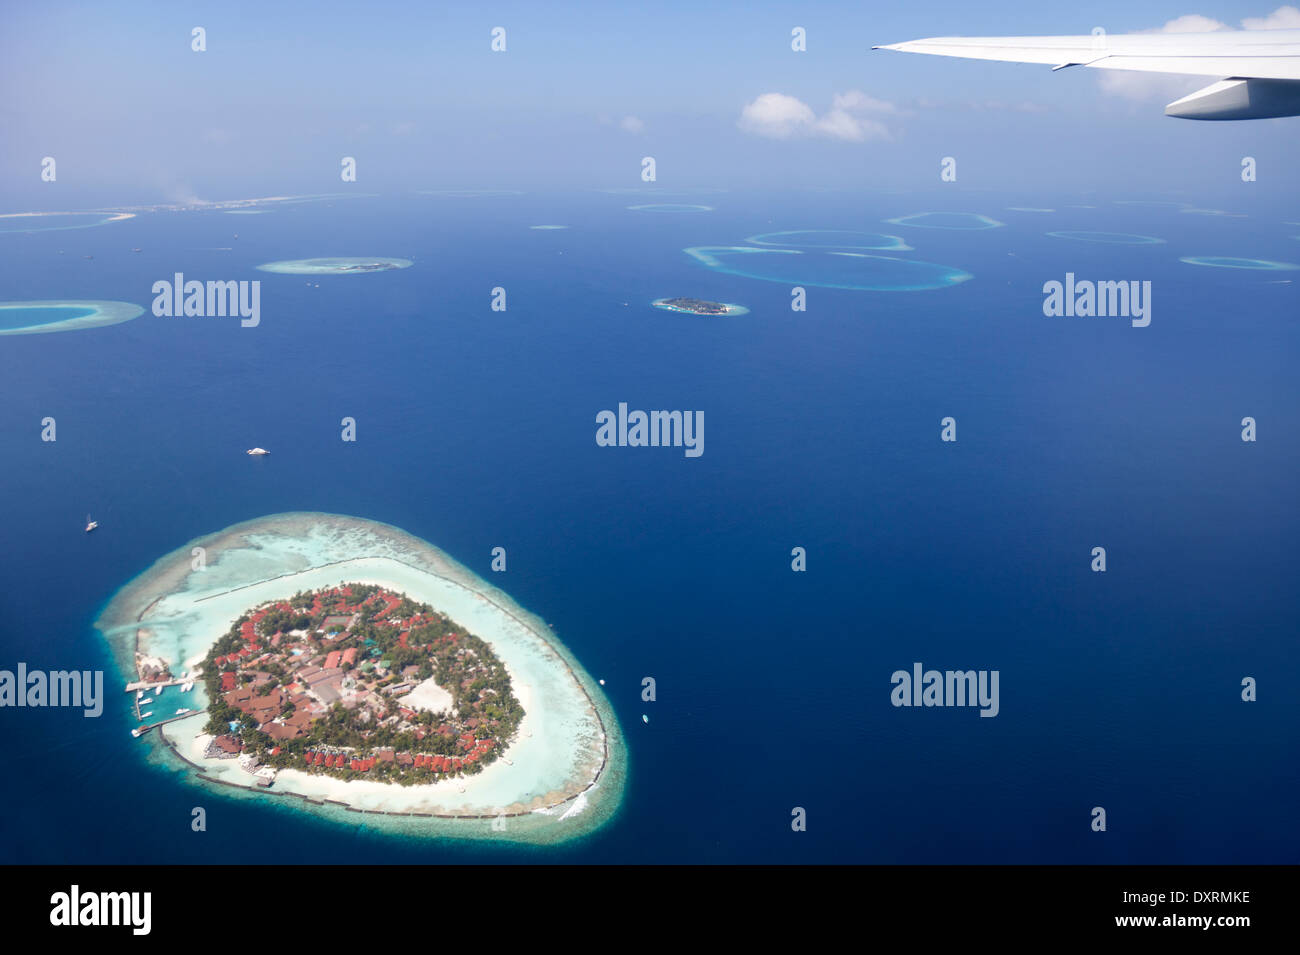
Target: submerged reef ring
[
  {"x": 560, "y": 776},
  {"x": 1227, "y": 262},
  {"x": 831, "y": 239},
  {"x": 26, "y": 221},
  {"x": 671, "y": 207},
  {"x": 35, "y": 318},
  {"x": 341, "y": 266},
  {"x": 829, "y": 269},
  {"x": 468, "y": 193},
  {"x": 1110, "y": 238},
  {"x": 957, "y": 221}
]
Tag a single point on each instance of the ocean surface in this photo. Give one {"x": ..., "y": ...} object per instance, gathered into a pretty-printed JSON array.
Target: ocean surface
[{"x": 476, "y": 429}]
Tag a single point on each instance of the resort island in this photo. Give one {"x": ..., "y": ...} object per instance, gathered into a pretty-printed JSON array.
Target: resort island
[
  {"x": 358, "y": 673},
  {"x": 696, "y": 306},
  {"x": 358, "y": 680}
]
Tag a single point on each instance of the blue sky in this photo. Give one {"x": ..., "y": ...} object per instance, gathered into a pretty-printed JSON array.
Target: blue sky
[{"x": 583, "y": 91}]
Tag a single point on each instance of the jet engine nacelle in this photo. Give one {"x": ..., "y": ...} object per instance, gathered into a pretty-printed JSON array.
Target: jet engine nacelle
[{"x": 1240, "y": 99}]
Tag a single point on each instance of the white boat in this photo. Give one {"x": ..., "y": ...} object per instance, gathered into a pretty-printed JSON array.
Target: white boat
[
  {"x": 139, "y": 693},
  {"x": 90, "y": 525},
  {"x": 158, "y": 692},
  {"x": 182, "y": 710},
  {"x": 644, "y": 718},
  {"x": 137, "y": 731},
  {"x": 146, "y": 701},
  {"x": 186, "y": 687},
  {"x": 258, "y": 451},
  {"x": 143, "y": 715}
]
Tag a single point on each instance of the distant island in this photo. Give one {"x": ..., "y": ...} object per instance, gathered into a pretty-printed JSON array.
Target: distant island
[
  {"x": 358, "y": 681},
  {"x": 334, "y": 266},
  {"x": 697, "y": 306}
]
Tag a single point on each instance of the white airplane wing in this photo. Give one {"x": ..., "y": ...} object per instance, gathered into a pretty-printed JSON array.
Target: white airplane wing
[{"x": 1259, "y": 69}]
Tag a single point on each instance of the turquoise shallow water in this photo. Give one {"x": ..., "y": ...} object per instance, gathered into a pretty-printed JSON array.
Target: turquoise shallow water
[
  {"x": 830, "y": 269},
  {"x": 958, "y": 221},
  {"x": 25, "y": 317},
  {"x": 1109, "y": 238},
  {"x": 63, "y": 315},
  {"x": 1228, "y": 262},
  {"x": 671, "y": 207},
  {"x": 53, "y": 222},
  {"x": 830, "y": 239}
]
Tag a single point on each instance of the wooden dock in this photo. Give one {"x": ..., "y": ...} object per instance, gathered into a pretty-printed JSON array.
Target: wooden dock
[
  {"x": 178, "y": 681},
  {"x": 172, "y": 719}
]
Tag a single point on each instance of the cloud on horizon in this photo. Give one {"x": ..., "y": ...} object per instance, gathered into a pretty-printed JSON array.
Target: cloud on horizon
[{"x": 778, "y": 116}]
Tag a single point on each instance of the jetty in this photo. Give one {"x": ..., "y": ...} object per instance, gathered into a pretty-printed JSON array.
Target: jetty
[
  {"x": 141, "y": 730},
  {"x": 146, "y": 685}
]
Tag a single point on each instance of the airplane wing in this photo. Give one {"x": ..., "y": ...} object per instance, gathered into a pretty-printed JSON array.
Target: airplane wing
[{"x": 1259, "y": 69}]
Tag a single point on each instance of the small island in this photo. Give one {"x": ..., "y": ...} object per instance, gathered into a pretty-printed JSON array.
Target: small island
[
  {"x": 358, "y": 681},
  {"x": 345, "y": 668},
  {"x": 334, "y": 266},
  {"x": 697, "y": 306}
]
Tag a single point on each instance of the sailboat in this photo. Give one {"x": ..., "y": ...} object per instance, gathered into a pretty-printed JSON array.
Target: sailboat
[{"x": 90, "y": 525}]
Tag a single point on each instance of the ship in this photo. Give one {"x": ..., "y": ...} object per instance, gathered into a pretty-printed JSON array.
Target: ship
[{"x": 90, "y": 525}]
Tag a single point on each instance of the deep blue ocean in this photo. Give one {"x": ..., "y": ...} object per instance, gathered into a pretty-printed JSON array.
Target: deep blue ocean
[{"x": 477, "y": 428}]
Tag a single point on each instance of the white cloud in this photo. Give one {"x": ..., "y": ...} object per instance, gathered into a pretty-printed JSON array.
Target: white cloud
[
  {"x": 630, "y": 124},
  {"x": 778, "y": 116},
  {"x": 1169, "y": 86},
  {"x": 1283, "y": 18},
  {"x": 860, "y": 101},
  {"x": 1191, "y": 23}
]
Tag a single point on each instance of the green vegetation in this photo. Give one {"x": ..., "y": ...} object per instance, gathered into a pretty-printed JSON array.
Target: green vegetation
[{"x": 388, "y": 644}]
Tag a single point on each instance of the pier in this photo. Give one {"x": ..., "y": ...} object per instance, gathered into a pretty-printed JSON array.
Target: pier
[
  {"x": 175, "y": 681},
  {"x": 172, "y": 719}
]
